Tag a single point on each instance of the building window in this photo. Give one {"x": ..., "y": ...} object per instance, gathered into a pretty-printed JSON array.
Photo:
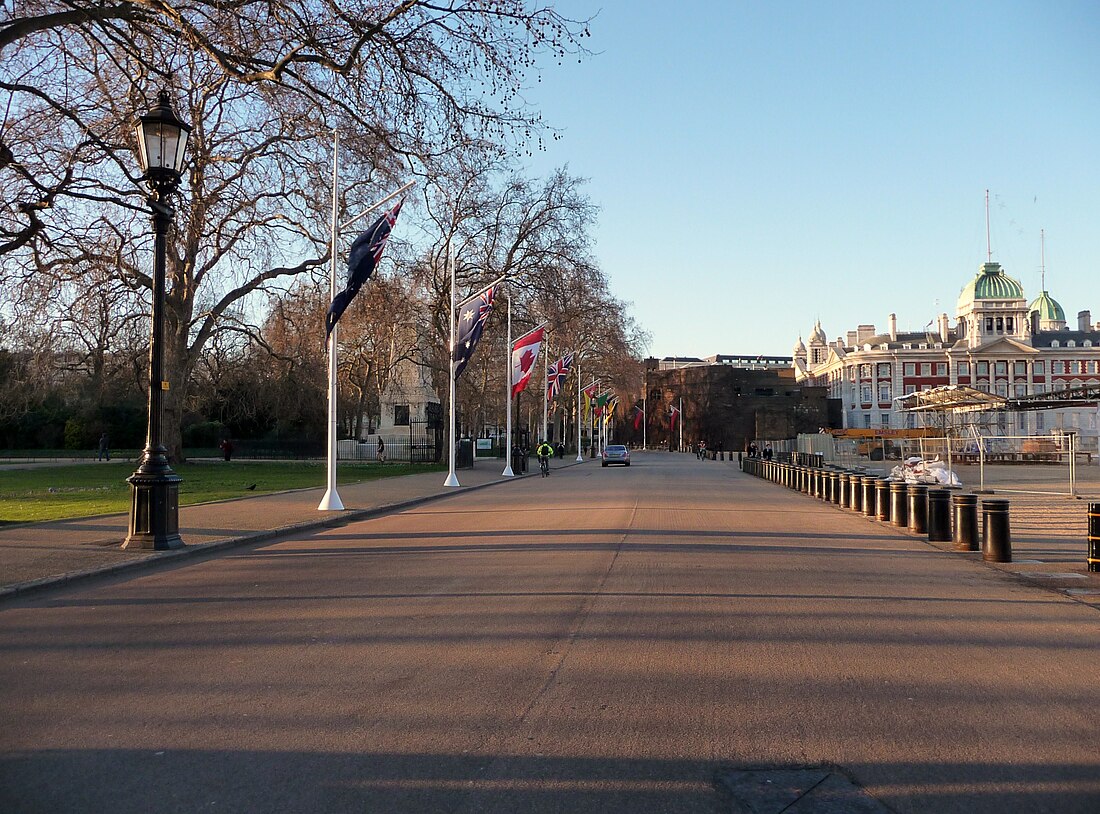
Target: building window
[
  {"x": 1001, "y": 368},
  {"x": 867, "y": 420},
  {"x": 1039, "y": 422},
  {"x": 926, "y": 368},
  {"x": 884, "y": 370},
  {"x": 883, "y": 391},
  {"x": 1008, "y": 324},
  {"x": 964, "y": 368},
  {"x": 910, "y": 388},
  {"x": 1087, "y": 343},
  {"x": 910, "y": 368},
  {"x": 865, "y": 393},
  {"x": 1039, "y": 368},
  {"x": 1092, "y": 366},
  {"x": 1054, "y": 343},
  {"x": 884, "y": 421},
  {"x": 1019, "y": 369},
  {"x": 941, "y": 368},
  {"x": 1020, "y": 390},
  {"x": 989, "y": 325},
  {"x": 982, "y": 368},
  {"x": 1057, "y": 368},
  {"x": 401, "y": 415},
  {"x": 865, "y": 371},
  {"x": 1071, "y": 344}
]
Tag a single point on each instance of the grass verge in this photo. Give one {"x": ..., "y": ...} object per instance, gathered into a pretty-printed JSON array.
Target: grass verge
[{"x": 83, "y": 490}]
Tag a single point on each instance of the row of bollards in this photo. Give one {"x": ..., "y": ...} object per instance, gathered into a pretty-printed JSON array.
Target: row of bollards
[{"x": 937, "y": 513}]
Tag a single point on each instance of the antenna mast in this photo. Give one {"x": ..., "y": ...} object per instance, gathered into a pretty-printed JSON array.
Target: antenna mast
[
  {"x": 988, "y": 247},
  {"x": 1043, "y": 258}
]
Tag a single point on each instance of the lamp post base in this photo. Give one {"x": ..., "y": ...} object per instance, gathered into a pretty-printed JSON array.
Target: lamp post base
[{"x": 154, "y": 512}]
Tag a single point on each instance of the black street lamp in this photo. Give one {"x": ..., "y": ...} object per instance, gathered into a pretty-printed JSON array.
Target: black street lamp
[{"x": 154, "y": 505}]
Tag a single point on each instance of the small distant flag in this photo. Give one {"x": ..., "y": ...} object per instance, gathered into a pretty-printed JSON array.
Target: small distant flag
[
  {"x": 365, "y": 253},
  {"x": 471, "y": 323},
  {"x": 674, "y": 416},
  {"x": 556, "y": 375},
  {"x": 639, "y": 416},
  {"x": 525, "y": 351}
]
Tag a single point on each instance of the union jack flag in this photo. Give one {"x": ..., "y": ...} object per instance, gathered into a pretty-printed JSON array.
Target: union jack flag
[
  {"x": 556, "y": 375},
  {"x": 365, "y": 253},
  {"x": 471, "y": 322}
]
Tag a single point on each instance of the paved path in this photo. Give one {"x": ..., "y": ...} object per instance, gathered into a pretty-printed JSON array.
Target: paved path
[
  {"x": 44, "y": 552},
  {"x": 605, "y": 640}
]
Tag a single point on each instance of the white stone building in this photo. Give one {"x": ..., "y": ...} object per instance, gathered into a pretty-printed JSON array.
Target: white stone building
[{"x": 998, "y": 343}]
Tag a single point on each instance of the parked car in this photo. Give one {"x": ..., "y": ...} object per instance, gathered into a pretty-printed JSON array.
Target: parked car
[{"x": 616, "y": 454}]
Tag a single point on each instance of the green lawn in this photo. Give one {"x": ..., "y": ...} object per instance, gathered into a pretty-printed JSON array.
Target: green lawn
[{"x": 81, "y": 490}]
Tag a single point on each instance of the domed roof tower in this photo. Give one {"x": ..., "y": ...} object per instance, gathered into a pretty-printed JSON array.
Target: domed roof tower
[
  {"x": 992, "y": 306},
  {"x": 1049, "y": 313}
]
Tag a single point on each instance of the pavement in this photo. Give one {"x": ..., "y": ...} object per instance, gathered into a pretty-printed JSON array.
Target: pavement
[
  {"x": 1049, "y": 528},
  {"x": 34, "y": 556},
  {"x": 672, "y": 637}
]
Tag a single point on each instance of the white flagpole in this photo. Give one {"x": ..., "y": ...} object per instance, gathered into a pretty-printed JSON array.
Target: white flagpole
[
  {"x": 331, "y": 500},
  {"x": 508, "y": 473},
  {"x": 580, "y": 459},
  {"x": 545, "y": 390},
  {"x": 643, "y": 422},
  {"x": 452, "y": 479}
]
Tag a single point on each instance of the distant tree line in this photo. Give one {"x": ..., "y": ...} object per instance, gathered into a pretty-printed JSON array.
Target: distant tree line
[{"x": 418, "y": 90}]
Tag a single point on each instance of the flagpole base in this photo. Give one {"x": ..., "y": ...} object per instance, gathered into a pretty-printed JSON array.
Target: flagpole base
[
  {"x": 508, "y": 473},
  {"x": 580, "y": 458},
  {"x": 452, "y": 480},
  {"x": 331, "y": 502}
]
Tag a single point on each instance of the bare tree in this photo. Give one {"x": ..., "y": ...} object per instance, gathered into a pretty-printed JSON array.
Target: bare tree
[{"x": 263, "y": 83}]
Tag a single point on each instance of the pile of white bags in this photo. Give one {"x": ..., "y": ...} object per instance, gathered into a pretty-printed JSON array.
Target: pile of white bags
[{"x": 918, "y": 470}]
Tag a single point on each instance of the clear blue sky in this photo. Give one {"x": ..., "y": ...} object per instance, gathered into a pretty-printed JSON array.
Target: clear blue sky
[{"x": 761, "y": 165}]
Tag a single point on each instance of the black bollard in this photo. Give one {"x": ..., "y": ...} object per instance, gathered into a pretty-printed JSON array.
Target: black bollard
[
  {"x": 855, "y": 493},
  {"x": 899, "y": 509},
  {"x": 869, "y": 495},
  {"x": 939, "y": 516},
  {"x": 996, "y": 539},
  {"x": 1094, "y": 537},
  {"x": 845, "y": 493},
  {"x": 882, "y": 504},
  {"x": 834, "y": 482},
  {"x": 966, "y": 522},
  {"x": 918, "y": 507}
]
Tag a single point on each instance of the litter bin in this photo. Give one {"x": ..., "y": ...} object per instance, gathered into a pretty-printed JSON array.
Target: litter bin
[{"x": 464, "y": 455}]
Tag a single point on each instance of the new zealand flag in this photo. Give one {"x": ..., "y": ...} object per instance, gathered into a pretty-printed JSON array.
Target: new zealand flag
[
  {"x": 364, "y": 256},
  {"x": 471, "y": 322}
]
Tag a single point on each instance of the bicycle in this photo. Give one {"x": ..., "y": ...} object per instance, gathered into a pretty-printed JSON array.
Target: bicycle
[{"x": 544, "y": 465}]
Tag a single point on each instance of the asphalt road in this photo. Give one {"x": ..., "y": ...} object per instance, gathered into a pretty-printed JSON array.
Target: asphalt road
[{"x": 605, "y": 640}]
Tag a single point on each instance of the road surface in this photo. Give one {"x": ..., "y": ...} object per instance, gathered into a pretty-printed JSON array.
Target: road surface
[{"x": 604, "y": 640}]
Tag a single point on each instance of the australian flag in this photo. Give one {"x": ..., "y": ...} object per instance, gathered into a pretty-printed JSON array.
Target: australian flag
[
  {"x": 471, "y": 322},
  {"x": 364, "y": 256},
  {"x": 557, "y": 374}
]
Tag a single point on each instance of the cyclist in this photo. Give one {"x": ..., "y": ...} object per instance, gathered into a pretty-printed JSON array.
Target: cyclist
[{"x": 545, "y": 453}]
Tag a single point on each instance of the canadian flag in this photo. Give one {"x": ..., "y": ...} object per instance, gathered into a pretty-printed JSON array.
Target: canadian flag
[{"x": 525, "y": 351}]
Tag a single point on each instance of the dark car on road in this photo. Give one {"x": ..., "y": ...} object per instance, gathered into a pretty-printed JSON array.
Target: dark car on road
[{"x": 616, "y": 454}]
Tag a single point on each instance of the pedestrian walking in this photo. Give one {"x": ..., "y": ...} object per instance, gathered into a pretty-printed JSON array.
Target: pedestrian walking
[
  {"x": 381, "y": 450},
  {"x": 226, "y": 447},
  {"x": 104, "y": 448}
]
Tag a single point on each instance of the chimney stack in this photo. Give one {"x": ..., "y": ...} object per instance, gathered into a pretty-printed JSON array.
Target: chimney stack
[
  {"x": 1084, "y": 320},
  {"x": 892, "y": 321},
  {"x": 945, "y": 327}
]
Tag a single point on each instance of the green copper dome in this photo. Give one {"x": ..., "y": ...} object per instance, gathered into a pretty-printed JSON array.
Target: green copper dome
[
  {"x": 1048, "y": 308},
  {"x": 991, "y": 284}
]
